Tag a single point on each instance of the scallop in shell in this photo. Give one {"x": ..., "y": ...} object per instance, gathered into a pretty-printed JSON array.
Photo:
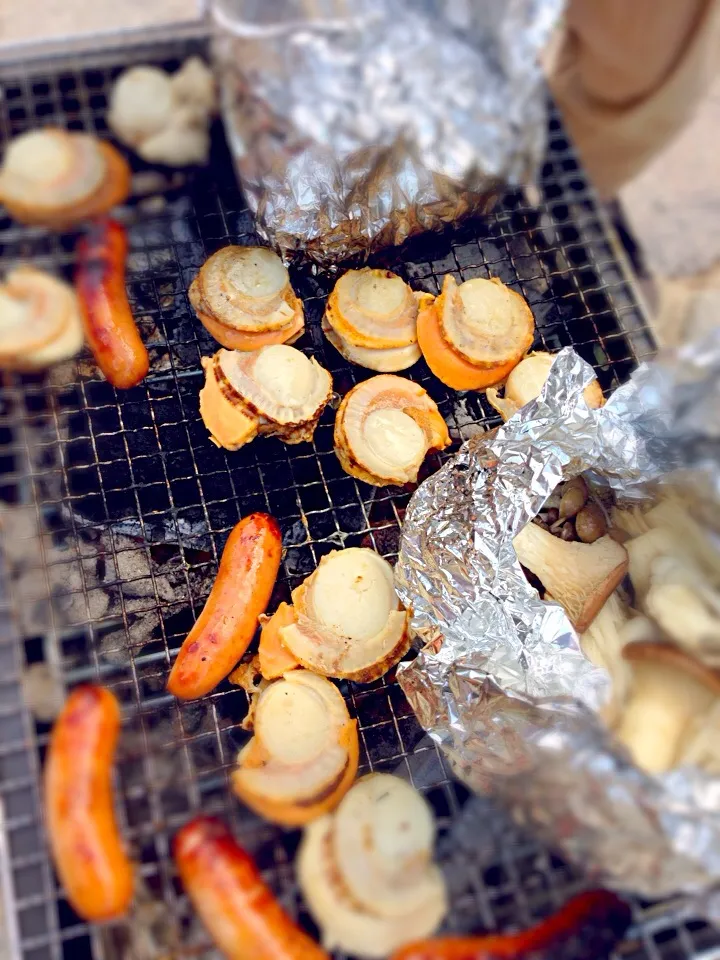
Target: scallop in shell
[
  {"x": 371, "y": 319},
  {"x": 385, "y": 428},
  {"x": 242, "y": 295},
  {"x": 347, "y": 619},
  {"x": 276, "y": 390}
]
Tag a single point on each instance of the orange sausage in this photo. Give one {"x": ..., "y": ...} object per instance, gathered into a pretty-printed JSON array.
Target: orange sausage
[
  {"x": 84, "y": 838},
  {"x": 109, "y": 325},
  {"x": 239, "y": 910},
  {"x": 588, "y": 926},
  {"x": 227, "y": 624}
]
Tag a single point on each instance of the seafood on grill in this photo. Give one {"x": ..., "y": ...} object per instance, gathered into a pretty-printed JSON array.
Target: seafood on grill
[
  {"x": 274, "y": 391},
  {"x": 85, "y": 841},
  {"x": 371, "y": 320},
  {"x": 345, "y": 621},
  {"x": 109, "y": 325},
  {"x": 237, "y": 907},
  {"x": 56, "y": 178},
  {"x": 384, "y": 429},
  {"x": 473, "y": 334},
  {"x": 165, "y": 118},
  {"x": 243, "y": 298},
  {"x": 526, "y": 381},
  {"x": 303, "y": 755},
  {"x": 229, "y": 619},
  {"x": 366, "y": 871},
  {"x": 40, "y": 320}
]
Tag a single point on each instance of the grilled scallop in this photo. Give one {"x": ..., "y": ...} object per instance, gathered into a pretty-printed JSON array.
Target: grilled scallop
[
  {"x": 275, "y": 391},
  {"x": 384, "y": 429},
  {"x": 304, "y": 754},
  {"x": 371, "y": 319},
  {"x": 40, "y": 320},
  {"x": 346, "y": 618},
  {"x": 56, "y": 179},
  {"x": 243, "y": 298},
  {"x": 367, "y": 872},
  {"x": 473, "y": 335},
  {"x": 526, "y": 382}
]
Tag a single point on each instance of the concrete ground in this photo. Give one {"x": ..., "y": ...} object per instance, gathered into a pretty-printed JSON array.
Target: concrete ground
[{"x": 673, "y": 210}]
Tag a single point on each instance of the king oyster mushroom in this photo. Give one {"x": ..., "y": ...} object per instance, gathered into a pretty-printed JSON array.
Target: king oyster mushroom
[
  {"x": 367, "y": 873},
  {"x": 304, "y": 754},
  {"x": 243, "y": 297},
  {"x": 526, "y": 381},
  {"x": 275, "y": 391},
  {"x": 385, "y": 428},
  {"x": 669, "y": 689},
  {"x": 579, "y": 576},
  {"x": 346, "y": 620},
  {"x": 371, "y": 319},
  {"x": 473, "y": 334}
]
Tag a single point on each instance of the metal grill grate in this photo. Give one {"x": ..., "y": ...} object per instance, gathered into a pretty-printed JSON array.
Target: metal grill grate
[{"x": 116, "y": 507}]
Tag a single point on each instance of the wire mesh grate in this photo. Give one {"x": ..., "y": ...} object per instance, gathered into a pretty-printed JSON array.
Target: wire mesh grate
[{"x": 115, "y": 509}]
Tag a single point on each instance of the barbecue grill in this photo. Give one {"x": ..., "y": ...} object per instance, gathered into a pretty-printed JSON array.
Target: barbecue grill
[{"x": 115, "y": 508}]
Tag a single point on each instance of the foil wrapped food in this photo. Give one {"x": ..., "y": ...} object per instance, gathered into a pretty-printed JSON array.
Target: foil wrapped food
[
  {"x": 501, "y": 682},
  {"x": 357, "y": 125}
]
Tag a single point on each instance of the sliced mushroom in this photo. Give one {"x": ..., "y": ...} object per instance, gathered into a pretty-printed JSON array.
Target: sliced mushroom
[
  {"x": 372, "y": 309},
  {"x": 386, "y": 828},
  {"x": 275, "y": 391},
  {"x": 526, "y": 382},
  {"x": 242, "y": 295},
  {"x": 56, "y": 178},
  {"x": 669, "y": 689},
  {"x": 304, "y": 754},
  {"x": 579, "y": 576},
  {"x": 348, "y": 620},
  {"x": 385, "y": 428}
]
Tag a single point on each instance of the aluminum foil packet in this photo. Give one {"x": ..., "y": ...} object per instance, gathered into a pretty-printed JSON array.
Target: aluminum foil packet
[
  {"x": 356, "y": 125},
  {"x": 501, "y": 682}
]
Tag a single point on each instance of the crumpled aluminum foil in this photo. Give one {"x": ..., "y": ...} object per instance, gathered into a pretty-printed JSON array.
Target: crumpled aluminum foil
[
  {"x": 501, "y": 683},
  {"x": 356, "y": 125}
]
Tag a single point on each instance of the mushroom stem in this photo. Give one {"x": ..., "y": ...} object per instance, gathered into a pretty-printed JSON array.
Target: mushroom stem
[{"x": 580, "y": 576}]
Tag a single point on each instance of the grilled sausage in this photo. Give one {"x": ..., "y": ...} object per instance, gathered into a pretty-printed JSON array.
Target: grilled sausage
[
  {"x": 225, "y": 887},
  {"x": 109, "y": 325},
  {"x": 588, "y": 926},
  {"x": 84, "y": 837},
  {"x": 227, "y": 624}
]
